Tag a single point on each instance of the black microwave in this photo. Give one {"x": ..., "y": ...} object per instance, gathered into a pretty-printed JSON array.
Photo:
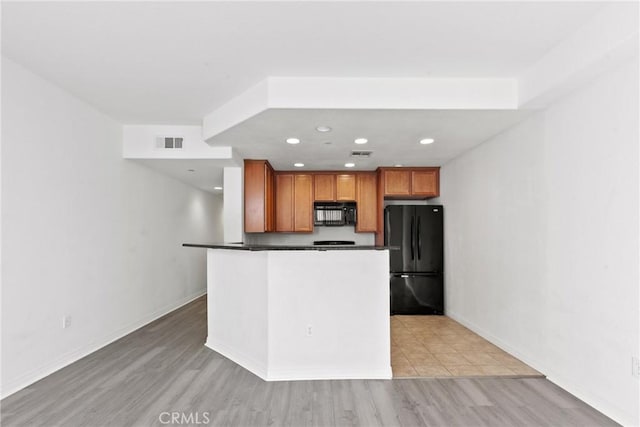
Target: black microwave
[{"x": 334, "y": 214}]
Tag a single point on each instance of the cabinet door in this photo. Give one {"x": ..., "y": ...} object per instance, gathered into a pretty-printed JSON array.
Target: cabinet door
[
  {"x": 284, "y": 202},
  {"x": 397, "y": 183},
  {"x": 258, "y": 201},
  {"x": 324, "y": 187},
  {"x": 346, "y": 187},
  {"x": 303, "y": 202},
  {"x": 270, "y": 217},
  {"x": 367, "y": 202},
  {"x": 425, "y": 183}
]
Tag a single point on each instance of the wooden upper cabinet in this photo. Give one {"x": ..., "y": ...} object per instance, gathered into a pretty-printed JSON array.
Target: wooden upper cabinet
[
  {"x": 294, "y": 202},
  {"x": 367, "y": 202},
  {"x": 333, "y": 187},
  {"x": 397, "y": 182},
  {"x": 303, "y": 202},
  {"x": 270, "y": 200},
  {"x": 324, "y": 187},
  {"x": 425, "y": 182},
  {"x": 412, "y": 183},
  {"x": 284, "y": 202},
  {"x": 258, "y": 196},
  {"x": 346, "y": 187}
]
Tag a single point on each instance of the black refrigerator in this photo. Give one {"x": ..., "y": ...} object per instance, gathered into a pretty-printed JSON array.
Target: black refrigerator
[{"x": 416, "y": 270}]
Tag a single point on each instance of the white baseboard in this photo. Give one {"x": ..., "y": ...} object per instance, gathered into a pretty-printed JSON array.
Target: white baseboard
[
  {"x": 615, "y": 413},
  {"x": 329, "y": 374},
  {"x": 248, "y": 362},
  {"x": 535, "y": 364},
  {"x": 68, "y": 358},
  {"x": 555, "y": 377},
  {"x": 260, "y": 369}
]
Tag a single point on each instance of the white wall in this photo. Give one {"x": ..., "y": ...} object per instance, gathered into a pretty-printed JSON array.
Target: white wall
[
  {"x": 139, "y": 142},
  {"x": 343, "y": 295},
  {"x": 85, "y": 232},
  {"x": 541, "y": 231},
  {"x": 233, "y": 212},
  {"x": 261, "y": 304},
  {"x": 237, "y": 301}
]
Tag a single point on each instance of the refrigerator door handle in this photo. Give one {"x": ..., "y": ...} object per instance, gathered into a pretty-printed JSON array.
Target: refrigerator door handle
[
  {"x": 387, "y": 223},
  {"x": 419, "y": 240},
  {"x": 412, "y": 241}
]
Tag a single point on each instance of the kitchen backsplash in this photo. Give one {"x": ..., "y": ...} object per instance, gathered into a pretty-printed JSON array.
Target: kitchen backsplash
[{"x": 320, "y": 233}]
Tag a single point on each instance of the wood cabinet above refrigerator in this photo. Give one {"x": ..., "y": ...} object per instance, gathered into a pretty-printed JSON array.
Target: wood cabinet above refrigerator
[{"x": 410, "y": 183}]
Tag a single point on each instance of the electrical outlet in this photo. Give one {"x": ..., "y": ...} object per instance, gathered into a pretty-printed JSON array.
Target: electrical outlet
[
  {"x": 635, "y": 367},
  {"x": 66, "y": 322},
  {"x": 309, "y": 330}
]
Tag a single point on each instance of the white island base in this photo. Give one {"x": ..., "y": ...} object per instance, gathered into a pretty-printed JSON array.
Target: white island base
[{"x": 301, "y": 314}]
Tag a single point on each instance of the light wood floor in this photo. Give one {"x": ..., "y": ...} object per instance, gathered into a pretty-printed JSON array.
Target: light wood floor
[
  {"x": 164, "y": 367},
  {"x": 438, "y": 346}
]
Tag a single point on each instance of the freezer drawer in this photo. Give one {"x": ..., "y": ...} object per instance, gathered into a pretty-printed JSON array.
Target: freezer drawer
[{"x": 411, "y": 294}]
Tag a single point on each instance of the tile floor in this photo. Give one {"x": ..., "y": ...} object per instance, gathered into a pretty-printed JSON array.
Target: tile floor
[{"x": 437, "y": 346}]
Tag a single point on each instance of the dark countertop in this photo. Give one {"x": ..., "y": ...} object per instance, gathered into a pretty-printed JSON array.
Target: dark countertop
[{"x": 250, "y": 247}]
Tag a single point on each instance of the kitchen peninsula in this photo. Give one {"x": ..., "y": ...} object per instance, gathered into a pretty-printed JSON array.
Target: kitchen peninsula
[{"x": 300, "y": 312}]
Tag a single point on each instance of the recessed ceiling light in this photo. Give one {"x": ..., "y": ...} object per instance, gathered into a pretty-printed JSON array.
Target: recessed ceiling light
[
  {"x": 293, "y": 141},
  {"x": 328, "y": 143},
  {"x": 349, "y": 165},
  {"x": 191, "y": 170},
  {"x": 427, "y": 141},
  {"x": 361, "y": 140},
  {"x": 323, "y": 129},
  {"x": 217, "y": 188},
  {"x": 298, "y": 165},
  {"x": 398, "y": 166}
]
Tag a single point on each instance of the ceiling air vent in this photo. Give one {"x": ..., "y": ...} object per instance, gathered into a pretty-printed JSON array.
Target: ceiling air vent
[
  {"x": 169, "y": 142},
  {"x": 361, "y": 154}
]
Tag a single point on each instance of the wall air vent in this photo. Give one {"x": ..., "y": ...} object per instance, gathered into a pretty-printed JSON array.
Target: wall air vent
[
  {"x": 361, "y": 154},
  {"x": 169, "y": 142}
]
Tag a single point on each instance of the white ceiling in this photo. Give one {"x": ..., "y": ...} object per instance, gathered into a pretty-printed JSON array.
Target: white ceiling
[
  {"x": 393, "y": 136},
  {"x": 204, "y": 174},
  {"x": 174, "y": 62}
]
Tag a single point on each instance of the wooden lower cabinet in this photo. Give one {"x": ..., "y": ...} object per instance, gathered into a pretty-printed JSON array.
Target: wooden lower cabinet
[
  {"x": 294, "y": 202},
  {"x": 367, "y": 202}
]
